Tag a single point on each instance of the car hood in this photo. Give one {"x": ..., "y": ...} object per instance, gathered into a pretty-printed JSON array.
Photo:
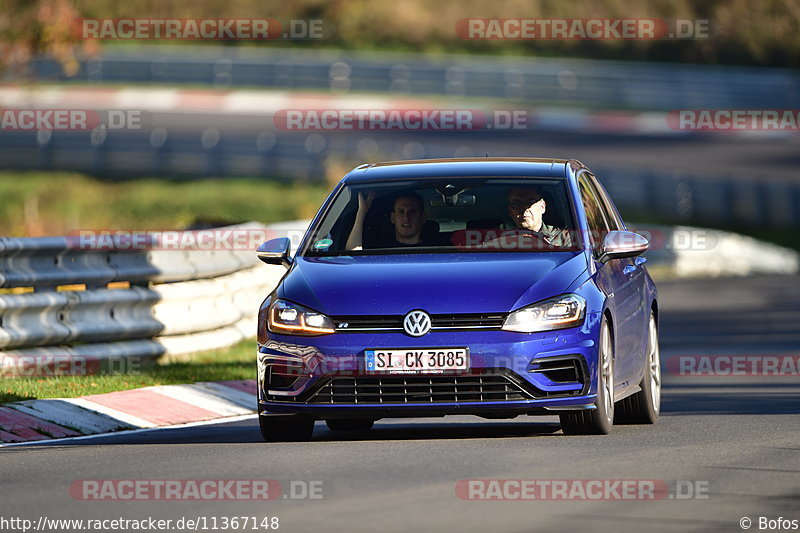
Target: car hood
[{"x": 436, "y": 283}]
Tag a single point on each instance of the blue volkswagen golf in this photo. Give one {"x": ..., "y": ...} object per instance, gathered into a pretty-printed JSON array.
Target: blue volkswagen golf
[{"x": 490, "y": 287}]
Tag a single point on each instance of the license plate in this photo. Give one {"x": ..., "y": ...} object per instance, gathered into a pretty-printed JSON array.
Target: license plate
[{"x": 416, "y": 360}]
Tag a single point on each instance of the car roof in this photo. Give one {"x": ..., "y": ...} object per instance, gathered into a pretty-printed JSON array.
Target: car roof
[{"x": 463, "y": 167}]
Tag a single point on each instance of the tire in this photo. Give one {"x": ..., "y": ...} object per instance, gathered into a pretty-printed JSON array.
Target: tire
[
  {"x": 597, "y": 421},
  {"x": 286, "y": 428},
  {"x": 644, "y": 406},
  {"x": 350, "y": 424}
]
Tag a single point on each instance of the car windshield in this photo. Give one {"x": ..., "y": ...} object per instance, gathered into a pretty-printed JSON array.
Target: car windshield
[{"x": 525, "y": 214}]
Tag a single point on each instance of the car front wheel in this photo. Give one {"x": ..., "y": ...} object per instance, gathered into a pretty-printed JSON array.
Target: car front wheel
[
  {"x": 597, "y": 421},
  {"x": 644, "y": 406}
]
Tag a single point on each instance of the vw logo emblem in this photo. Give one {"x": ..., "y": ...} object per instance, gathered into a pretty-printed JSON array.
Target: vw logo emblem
[{"x": 417, "y": 323}]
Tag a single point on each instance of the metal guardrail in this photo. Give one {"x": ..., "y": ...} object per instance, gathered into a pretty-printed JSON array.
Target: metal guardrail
[
  {"x": 178, "y": 301},
  {"x": 587, "y": 83},
  {"x": 47, "y": 262}
]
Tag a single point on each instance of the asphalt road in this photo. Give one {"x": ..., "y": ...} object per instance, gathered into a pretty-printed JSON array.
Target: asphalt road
[{"x": 734, "y": 440}]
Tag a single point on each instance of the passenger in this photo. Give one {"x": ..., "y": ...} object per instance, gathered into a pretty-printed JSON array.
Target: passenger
[{"x": 407, "y": 216}]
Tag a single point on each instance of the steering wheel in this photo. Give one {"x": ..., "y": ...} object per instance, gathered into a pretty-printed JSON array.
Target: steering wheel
[{"x": 517, "y": 239}]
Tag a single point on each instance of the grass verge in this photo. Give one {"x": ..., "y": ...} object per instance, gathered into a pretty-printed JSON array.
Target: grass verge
[
  {"x": 54, "y": 203},
  {"x": 235, "y": 363}
]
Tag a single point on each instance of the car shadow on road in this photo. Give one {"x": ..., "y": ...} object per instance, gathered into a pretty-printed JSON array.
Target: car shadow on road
[{"x": 440, "y": 431}]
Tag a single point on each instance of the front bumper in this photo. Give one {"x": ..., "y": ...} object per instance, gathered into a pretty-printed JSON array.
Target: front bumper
[{"x": 510, "y": 374}]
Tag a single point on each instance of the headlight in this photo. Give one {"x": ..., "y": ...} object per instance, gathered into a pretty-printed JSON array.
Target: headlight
[
  {"x": 565, "y": 311},
  {"x": 293, "y": 319}
]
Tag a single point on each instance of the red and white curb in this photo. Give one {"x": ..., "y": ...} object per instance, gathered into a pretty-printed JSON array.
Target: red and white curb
[
  {"x": 244, "y": 102},
  {"x": 148, "y": 407}
]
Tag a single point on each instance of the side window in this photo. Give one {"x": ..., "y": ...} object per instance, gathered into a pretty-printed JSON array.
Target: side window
[
  {"x": 594, "y": 215},
  {"x": 610, "y": 213}
]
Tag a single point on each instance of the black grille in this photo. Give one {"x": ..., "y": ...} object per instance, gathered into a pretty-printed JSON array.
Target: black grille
[
  {"x": 470, "y": 321},
  {"x": 347, "y": 323},
  {"x": 356, "y": 323},
  {"x": 420, "y": 389}
]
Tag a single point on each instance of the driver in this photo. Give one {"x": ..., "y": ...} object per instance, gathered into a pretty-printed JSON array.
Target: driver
[{"x": 526, "y": 206}]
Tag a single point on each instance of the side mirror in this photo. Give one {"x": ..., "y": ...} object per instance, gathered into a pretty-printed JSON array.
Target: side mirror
[
  {"x": 275, "y": 252},
  {"x": 621, "y": 244}
]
